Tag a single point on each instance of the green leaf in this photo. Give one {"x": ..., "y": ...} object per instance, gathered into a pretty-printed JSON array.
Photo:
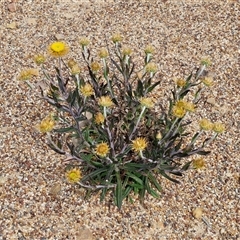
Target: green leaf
[
  {"x": 153, "y": 86},
  {"x": 139, "y": 89},
  {"x": 127, "y": 191},
  {"x": 168, "y": 177},
  {"x": 134, "y": 177},
  {"x": 154, "y": 181},
  {"x": 64, "y": 130},
  {"x": 186, "y": 166}
]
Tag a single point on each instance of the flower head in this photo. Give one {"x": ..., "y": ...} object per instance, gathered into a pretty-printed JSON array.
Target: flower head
[
  {"x": 87, "y": 90},
  {"x": 39, "y": 59},
  {"x": 47, "y": 124},
  {"x": 58, "y": 49},
  {"x": 99, "y": 118},
  {"x": 205, "y": 124},
  {"x": 127, "y": 51},
  {"x": 207, "y": 81},
  {"x": 190, "y": 107},
  {"x": 149, "y": 49},
  {"x": 147, "y": 102},
  {"x": 73, "y": 175},
  {"x": 105, "y": 101},
  {"x": 181, "y": 82},
  {"x": 102, "y": 149},
  {"x": 84, "y": 41},
  {"x": 103, "y": 53},
  {"x": 151, "y": 67},
  {"x": 178, "y": 112},
  {"x": 75, "y": 69},
  {"x": 218, "y": 127},
  {"x": 71, "y": 63},
  {"x": 28, "y": 74},
  {"x": 139, "y": 144},
  {"x": 206, "y": 61},
  {"x": 198, "y": 163},
  {"x": 159, "y": 136},
  {"x": 117, "y": 38},
  {"x": 95, "y": 66}
]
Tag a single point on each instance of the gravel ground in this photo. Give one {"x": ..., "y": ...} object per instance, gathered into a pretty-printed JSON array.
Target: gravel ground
[{"x": 182, "y": 33}]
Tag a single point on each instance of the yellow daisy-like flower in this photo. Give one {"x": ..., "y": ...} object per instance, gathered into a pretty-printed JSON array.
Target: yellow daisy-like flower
[
  {"x": 205, "y": 124},
  {"x": 73, "y": 175},
  {"x": 151, "y": 67},
  {"x": 189, "y": 106},
  {"x": 117, "y": 38},
  {"x": 103, "y": 53},
  {"x": 180, "y": 103},
  {"x": 39, "y": 59},
  {"x": 178, "y": 112},
  {"x": 99, "y": 118},
  {"x": 47, "y": 124},
  {"x": 218, "y": 127},
  {"x": 75, "y": 69},
  {"x": 181, "y": 82},
  {"x": 207, "y": 81},
  {"x": 95, "y": 66},
  {"x": 87, "y": 90},
  {"x": 71, "y": 63},
  {"x": 139, "y": 144},
  {"x": 149, "y": 49},
  {"x": 127, "y": 51},
  {"x": 198, "y": 163},
  {"x": 206, "y": 61},
  {"x": 147, "y": 102},
  {"x": 84, "y": 41},
  {"x": 105, "y": 101},
  {"x": 102, "y": 149},
  {"x": 58, "y": 49},
  {"x": 28, "y": 74}
]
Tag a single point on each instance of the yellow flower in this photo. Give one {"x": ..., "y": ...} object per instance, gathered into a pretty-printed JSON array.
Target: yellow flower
[
  {"x": 147, "y": 102},
  {"x": 84, "y": 41},
  {"x": 28, "y": 74},
  {"x": 207, "y": 81},
  {"x": 205, "y": 124},
  {"x": 75, "y": 69},
  {"x": 105, "y": 101},
  {"x": 139, "y": 144},
  {"x": 149, "y": 49},
  {"x": 102, "y": 149},
  {"x": 116, "y": 38},
  {"x": 99, "y": 118},
  {"x": 198, "y": 163},
  {"x": 178, "y": 112},
  {"x": 58, "y": 49},
  {"x": 206, "y": 62},
  {"x": 39, "y": 59},
  {"x": 47, "y": 124},
  {"x": 103, "y": 53},
  {"x": 218, "y": 127},
  {"x": 127, "y": 51},
  {"x": 73, "y": 175},
  {"x": 151, "y": 67},
  {"x": 71, "y": 63},
  {"x": 181, "y": 82},
  {"x": 95, "y": 66},
  {"x": 189, "y": 106},
  {"x": 180, "y": 103},
  {"x": 87, "y": 90}
]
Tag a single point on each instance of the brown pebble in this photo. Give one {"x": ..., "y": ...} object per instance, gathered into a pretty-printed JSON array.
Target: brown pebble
[{"x": 12, "y": 7}]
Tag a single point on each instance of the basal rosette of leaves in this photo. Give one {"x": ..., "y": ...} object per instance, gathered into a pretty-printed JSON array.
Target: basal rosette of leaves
[{"x": 106, "y": 126}]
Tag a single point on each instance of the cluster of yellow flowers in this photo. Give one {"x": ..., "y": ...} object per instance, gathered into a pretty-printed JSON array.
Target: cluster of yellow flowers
[
  {"x": 181, "y": 107},
  {"x": 207, "y": 125}
]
